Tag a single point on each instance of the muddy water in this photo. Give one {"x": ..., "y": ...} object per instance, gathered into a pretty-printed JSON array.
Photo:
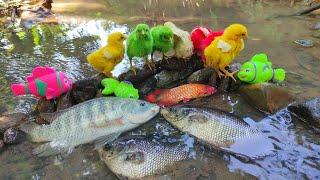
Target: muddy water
[{"x": 83, "y": 28}]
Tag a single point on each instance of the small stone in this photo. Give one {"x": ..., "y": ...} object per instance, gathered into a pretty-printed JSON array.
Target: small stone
[
  {"x": 308, "y": 112},
  {"x": 201, "y": 76},
  {"x": 267, "y": 97},
  {"x": 84, "y": 90},
  {"x": 304, "y": 42},
  {"x": 13, "y": 136},
  {"x": 234, "y": 85},
  {"x": 65, "y": 101},
  {"x": 46, "y": 106},
  {"x": 11, "y": 120}
]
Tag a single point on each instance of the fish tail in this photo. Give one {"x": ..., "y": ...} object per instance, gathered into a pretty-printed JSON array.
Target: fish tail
[
  {"x": 34, "y": 131},
  {"x": 279, "y": 75},
  {"x": 49, "y": 149},
  {"x": 20, "y": 89}
]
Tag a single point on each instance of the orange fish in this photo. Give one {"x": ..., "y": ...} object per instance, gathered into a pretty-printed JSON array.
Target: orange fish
[{"x": 169, "y": 97}]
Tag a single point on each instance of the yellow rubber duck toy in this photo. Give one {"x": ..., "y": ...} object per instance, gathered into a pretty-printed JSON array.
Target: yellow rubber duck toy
[{"x": 106, "y": 58}]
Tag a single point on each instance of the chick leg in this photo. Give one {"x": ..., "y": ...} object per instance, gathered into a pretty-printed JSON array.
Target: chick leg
[
  {"x": 228, "y": 74},
  {"x": 131, "y": 67},
  {"x": 150, "y": 64},
  {"x": 218, "y": 72}
]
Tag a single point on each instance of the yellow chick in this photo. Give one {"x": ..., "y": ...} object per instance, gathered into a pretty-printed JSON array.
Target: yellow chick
[
  {"x": 221, "y": 52},
  {"x": 106, "y": 58}
]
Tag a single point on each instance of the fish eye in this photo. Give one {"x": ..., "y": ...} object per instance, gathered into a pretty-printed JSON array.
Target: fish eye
[
  {"x": 107, "y": 147},
  {"x": 247, "y": 70},
  {"x": 142, "y": 104}
]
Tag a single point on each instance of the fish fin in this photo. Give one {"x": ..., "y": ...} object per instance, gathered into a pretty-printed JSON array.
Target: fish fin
[
  {"x": 224, "y": 46},
  {"x": 28, "y": 127},
  {"x": 30, "y": 79},
  {"x": 135, "y": 157},
  {"x": 40, "y": 71},
  {"x": 279, "y": 75},
  {"x": 18, "y": 89},
  {"x": 260, "y": 58},
  {"x": 100, "y": 142},
  {"x": 49, "y": 93},
  {"x": 200, "y": 118},
  {"x": 49, "y": 149}
]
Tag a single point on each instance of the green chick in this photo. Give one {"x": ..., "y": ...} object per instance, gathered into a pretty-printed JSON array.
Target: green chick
[
  {"x": 162, "y": 39},
  {"x": 259, "y": 70},
  {"x": 122, "y": 89},
  {"x": 139, "y": 44}
]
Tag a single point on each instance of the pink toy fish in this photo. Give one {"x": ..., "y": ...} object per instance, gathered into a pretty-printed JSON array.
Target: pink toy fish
[{"x": 44, "y": 82}]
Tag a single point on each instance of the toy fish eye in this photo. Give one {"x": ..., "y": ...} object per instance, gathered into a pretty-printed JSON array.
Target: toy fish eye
[{"x": 247, "y": 70}]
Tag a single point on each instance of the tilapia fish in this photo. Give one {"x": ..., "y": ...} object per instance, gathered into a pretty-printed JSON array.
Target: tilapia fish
[
  {"x": 101, "y": 120},
  {"x": 219, "y": 129},
  {"x": 139, "y": 157}
]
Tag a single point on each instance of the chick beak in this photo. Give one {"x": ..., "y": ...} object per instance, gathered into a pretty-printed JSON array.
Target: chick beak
[{"x": 125, "y": 37}]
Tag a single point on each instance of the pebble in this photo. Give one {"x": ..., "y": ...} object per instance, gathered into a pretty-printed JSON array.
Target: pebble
[
  {"x": 304, "y": 42},
  {"x": 65, "y": 101},
  {"x": 316, "y": 26},
  {"x": 13, "y": 136},
  {"x": 201, "y": 76}
]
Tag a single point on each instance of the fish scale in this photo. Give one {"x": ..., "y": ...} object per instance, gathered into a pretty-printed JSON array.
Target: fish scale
[
  {"x": 220, "y": 129},
  {"x": 91, "y": 120},
  {"x": 154, "y": 158}
]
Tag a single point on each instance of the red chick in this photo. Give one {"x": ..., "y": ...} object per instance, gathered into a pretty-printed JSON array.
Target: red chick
[{"x": 202, "y": 38}]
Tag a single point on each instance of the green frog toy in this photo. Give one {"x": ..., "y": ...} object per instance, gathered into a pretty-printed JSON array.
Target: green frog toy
[
  {"x": 122, "y": 89},
  {"x": 259, "y": 70}
]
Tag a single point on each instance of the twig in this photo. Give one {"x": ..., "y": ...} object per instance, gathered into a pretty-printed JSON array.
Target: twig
[{"x": 300, "y": 13}]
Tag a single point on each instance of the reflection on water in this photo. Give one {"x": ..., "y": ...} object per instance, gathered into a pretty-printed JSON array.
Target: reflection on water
[{"x": 80, "y": 32}]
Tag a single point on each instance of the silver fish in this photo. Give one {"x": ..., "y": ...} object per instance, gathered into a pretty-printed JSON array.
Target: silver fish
[
  {"x": 219, "y": 129},
  {"x": 101, "y": 120},
  {"x": 138, "y": 157}
]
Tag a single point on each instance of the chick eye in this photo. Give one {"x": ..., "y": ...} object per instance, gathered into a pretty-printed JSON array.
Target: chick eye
[{"x": 243, "y": 34}]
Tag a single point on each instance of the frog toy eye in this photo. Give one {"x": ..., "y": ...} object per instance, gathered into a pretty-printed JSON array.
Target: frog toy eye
[{"x": 247, "y": 70}]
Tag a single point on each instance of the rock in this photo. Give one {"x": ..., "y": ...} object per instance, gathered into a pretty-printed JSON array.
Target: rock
[
  {"x": 11, "y": 120},
  {"x": 175, "y": 64},
  {"x": 267, "y": 97},
  {"x": 201, "y": 76},
  {"x": 46, "y": 106},
  {"x": 84, "y": 90},
  {"x": 308, "y": 112},
  {"x": 224, "y": 84},
  {"x": 13, "y": 136},
  {"x": 165, "y": 77},
  {"x": 147, "y": 86},
  {"x": 234, "y": 85},
  {"x": 142, "y": 74},
  {"x": 65, "y": 101}
]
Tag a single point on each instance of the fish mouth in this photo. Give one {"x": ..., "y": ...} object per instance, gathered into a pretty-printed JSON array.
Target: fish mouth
[{"x": 242, "y": 76}]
